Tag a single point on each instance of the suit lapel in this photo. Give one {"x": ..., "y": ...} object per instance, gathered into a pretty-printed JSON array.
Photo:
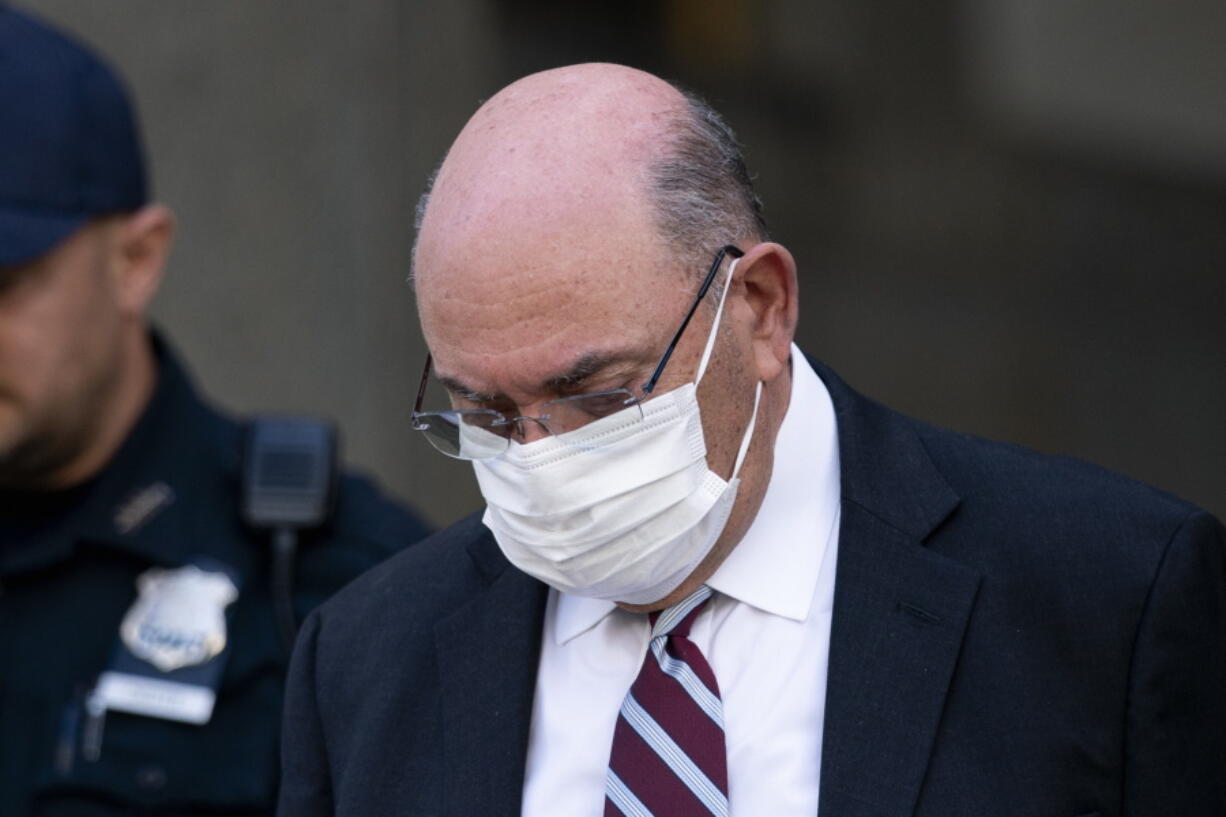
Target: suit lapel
[
  {"x": 900, "y": 612},
  {"x": 899, "y": 615},
  {"x": 488, "y": 652}
]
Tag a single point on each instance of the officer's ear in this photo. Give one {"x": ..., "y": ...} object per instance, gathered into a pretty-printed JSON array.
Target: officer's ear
[{"x": 142, "y": 245}]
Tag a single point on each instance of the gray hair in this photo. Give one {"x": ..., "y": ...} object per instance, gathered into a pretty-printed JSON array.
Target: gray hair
[
  {"x": 701, "y": 188},
  {"x": 419, "y": 215}
]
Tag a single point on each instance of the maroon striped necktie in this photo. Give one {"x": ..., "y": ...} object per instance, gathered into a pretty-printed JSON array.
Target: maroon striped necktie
[{"x": 669, "y": 758}]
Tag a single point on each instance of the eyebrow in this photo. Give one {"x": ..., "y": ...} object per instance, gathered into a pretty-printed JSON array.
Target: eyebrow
[
  {"x": 460, "y": 390},
  {"x": 585, "y": 368}
]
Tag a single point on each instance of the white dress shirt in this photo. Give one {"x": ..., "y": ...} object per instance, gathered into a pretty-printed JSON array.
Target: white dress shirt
[{"x": 766, "y": 634}]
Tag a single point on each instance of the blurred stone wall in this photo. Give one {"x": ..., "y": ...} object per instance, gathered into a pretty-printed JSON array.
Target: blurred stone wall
[{"x": 1010, "y": 215}]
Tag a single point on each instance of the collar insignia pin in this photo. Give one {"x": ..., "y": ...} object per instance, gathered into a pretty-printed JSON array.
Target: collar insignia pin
[{"x": 143, "y": 506}]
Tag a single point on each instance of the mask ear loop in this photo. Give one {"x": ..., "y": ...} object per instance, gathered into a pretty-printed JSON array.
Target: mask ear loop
[
  {"x": 706, "y": 353},
  {"x": 702, "y": 369},
  {"x": 748, "y": 438}
]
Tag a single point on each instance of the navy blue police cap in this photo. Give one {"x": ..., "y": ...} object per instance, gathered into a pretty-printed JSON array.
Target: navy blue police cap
[{"x": 69, "y": 145}]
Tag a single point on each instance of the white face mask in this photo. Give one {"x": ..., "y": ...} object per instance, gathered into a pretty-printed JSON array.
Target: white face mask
[{"x": 621, "y": 509}]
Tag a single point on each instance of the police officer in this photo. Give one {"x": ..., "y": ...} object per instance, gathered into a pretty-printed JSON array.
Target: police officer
[{"x": 142, "y": 643}]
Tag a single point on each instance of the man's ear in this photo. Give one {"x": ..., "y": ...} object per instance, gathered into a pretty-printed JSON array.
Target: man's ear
[
  {"x": 143, "y": 241},
  {"x": 768, "y": 273}
]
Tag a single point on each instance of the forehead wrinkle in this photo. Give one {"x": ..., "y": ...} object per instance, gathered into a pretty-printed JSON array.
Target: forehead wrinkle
[
  {"x": 529, "y": 308},
  {"x": 495, "y": 303}
]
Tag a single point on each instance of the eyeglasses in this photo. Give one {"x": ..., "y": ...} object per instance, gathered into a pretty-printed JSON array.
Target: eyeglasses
[{"x": 474, "y": 434}]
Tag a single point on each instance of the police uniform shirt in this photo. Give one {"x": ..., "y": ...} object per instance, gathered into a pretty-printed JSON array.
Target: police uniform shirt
[{"x": 69, "y": 564}]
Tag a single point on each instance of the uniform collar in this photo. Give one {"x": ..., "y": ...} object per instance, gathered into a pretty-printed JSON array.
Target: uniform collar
[
  {"x": 775, "y": 567},
  {"x": 126, "y": 506}
]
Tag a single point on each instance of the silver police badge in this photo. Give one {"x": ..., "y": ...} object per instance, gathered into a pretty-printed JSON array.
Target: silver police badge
[{"x": 179, "y": 618}]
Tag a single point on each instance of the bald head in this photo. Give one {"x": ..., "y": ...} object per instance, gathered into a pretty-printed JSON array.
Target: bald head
[
  {"x": 558, "y": 156},
  {"x": 591, "y": 141}
]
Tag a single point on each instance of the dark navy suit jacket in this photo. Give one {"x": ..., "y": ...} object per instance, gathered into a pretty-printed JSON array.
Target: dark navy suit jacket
[{"x": 1014, "y": 635}]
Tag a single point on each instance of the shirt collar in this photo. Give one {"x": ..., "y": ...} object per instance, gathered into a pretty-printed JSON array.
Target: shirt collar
[
  {"x": 576, "y": 615},
  {"x": 775, "y": 566}
]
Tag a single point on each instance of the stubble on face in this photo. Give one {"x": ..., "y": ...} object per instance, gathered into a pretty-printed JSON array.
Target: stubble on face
[{"x": 60, "y": 356}]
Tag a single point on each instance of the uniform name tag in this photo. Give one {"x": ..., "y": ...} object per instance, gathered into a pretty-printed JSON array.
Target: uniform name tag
[{"x": 154, "y": 697}]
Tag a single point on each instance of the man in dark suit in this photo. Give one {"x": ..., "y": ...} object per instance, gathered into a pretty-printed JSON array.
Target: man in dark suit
[{"x": 710, "y": 577}]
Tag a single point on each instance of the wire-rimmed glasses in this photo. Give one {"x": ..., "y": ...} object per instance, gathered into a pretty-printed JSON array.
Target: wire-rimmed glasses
[{"x": 476, "y": 433}]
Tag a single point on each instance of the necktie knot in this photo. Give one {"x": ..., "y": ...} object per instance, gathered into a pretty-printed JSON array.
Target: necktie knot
[{"x": 678, "y": 619}]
